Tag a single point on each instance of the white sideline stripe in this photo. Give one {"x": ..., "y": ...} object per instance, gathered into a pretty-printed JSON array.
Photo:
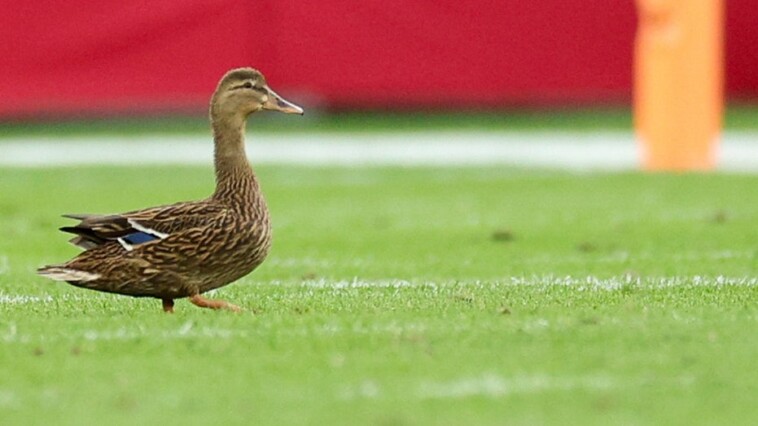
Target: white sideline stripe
[{"x": 563, "y": 150}]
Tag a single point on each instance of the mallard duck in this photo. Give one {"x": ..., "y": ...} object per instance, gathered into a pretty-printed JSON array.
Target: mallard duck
[{"x": 188, "y": 248}]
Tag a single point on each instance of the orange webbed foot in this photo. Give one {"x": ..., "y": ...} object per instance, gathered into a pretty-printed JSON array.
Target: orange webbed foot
[{"x": 202, "y": 302}]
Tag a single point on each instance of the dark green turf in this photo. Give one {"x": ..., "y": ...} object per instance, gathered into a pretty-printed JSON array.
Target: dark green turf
[{"x": 737, "y": 117}]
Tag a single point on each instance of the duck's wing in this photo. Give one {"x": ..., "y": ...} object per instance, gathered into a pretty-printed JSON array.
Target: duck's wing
[{"x": 142, "y": 226}]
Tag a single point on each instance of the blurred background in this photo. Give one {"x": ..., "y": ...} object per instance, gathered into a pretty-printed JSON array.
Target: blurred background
[{"x": 355, "y": 65}]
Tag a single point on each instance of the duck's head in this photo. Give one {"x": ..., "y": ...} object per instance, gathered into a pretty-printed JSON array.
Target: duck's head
[{"x": 243, "y": 91}]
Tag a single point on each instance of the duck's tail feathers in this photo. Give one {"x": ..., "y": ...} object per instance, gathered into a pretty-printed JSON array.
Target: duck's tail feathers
[{"x": 60, "y": 273}]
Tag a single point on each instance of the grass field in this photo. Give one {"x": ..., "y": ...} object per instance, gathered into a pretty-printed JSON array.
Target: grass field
[{"x": 400, "y": 296}]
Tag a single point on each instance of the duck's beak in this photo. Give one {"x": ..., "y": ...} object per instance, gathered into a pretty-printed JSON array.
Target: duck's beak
[{"x": 278, "y": 103}]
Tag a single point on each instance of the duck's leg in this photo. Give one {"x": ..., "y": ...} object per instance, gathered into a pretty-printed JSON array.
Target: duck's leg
[
  {"x": 168, "y": 305},
  {"x": 202, "y": 302}
]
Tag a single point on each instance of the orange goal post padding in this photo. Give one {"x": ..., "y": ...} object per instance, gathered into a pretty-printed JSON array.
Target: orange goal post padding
[{"x": 678, "y": 83}]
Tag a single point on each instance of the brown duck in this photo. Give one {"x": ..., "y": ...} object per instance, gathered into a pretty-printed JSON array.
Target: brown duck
[{"x": 186, "y": 249}]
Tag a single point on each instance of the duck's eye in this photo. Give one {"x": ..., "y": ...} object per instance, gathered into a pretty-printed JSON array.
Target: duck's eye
[{"x": 247, "y": 85}]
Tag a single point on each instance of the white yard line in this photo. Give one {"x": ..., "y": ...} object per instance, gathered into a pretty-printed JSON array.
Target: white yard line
[
  {"x": 491, "y": 385},
  {"x": 9, "y": 333},
  {"x": 22, "y": 299},
  {"x": 562, "y": 150},
  {"x": 584, "y": 283},
  {"x": 494, "y": 386}
]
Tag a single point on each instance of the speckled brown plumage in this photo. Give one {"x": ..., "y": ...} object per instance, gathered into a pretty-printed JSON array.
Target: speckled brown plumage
[{"x": 185, "y": 249}]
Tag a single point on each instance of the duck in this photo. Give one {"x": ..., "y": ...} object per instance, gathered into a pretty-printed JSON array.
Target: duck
[{"x": 186, "y": 249}]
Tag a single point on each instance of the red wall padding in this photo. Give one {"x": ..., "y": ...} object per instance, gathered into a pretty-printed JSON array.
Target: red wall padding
[
  {"x": 742, "y": 49},
  {"x": 103, "y": 57}
]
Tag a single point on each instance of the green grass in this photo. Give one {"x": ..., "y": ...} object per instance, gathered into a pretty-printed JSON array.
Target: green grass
[
  {"x": 402, "y": 296},
  {"x": 736, "y": 117}
]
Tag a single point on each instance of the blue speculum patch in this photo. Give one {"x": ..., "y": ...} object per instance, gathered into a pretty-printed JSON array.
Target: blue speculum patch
[{"x": 139, "y": 238}]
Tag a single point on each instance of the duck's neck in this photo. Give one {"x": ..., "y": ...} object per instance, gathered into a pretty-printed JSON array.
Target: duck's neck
[{"x": 235, "y": 181}]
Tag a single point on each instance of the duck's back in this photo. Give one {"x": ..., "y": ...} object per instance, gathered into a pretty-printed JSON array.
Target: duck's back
[{"x": 199, "y": 246}]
